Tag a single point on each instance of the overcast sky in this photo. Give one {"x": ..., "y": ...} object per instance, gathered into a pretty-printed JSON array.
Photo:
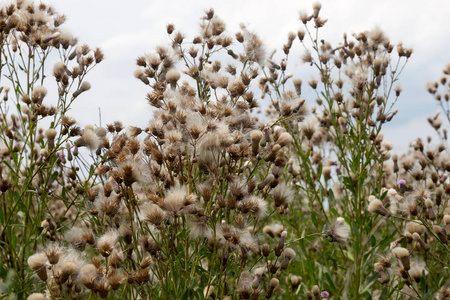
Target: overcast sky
[{"x": 128, "y": 29}]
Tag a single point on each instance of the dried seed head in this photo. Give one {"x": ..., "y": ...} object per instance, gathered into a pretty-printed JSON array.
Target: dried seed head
[
  {"x": 441, "y": 233},
  {"x": 422, "y": 243},
  {"x": 170, "y": 28},
  {"x": 253, "y": 205},
  {"x": 39, "y": 93},
  {"x": 315, "y": 290},
  {"x": 172, "y": 76},
  {"x": 209, "y": 292},
  {"x": 50, "y": 133},
  {"x": 53, "y": 254},
  {"x": 282, "y": 195},
  {"x": 376, "y": 206},
  {"x": 139, "y": 74},
  {"x": 402, "y": 254},
  {"x": 67, "y": 270},
  {"x": 153, "y": 214},
  {"x": 284, "y": 139},
  {"x": 38, "y": 263},
  {"x": 85, "y": 86},
  {"x": 339, "y": 231},
  {"x": 88, "y": 276},
  {"x": 107, "y": 242},
  {"x": 274, "y": 282},
  {"x": 36, "y": 296}
]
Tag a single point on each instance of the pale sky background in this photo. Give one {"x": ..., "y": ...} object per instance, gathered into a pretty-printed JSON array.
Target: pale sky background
[{"x": 128, "y": 29}]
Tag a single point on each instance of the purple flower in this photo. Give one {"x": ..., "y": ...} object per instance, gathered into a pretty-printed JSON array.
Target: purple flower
[
  {"x": 338, "y": 170},
  {"x": 325, "y": 294},
  {"x": 401, "y": 183}
]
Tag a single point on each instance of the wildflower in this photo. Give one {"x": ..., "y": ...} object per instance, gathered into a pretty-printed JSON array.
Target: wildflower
[
  {"x": 172, "y": 76},
  {"x": 339, "y": 231},
  {"x": 69, "y": 268},
  {"x": 295, "y": 281},
  {"x": 253, "y": 47},
  {"x": 384, "y": 277},
  {"x": 6, "y": 90},
  {"x": 282, "y": 195},
  {"x": 377, "y": 36},
  {"x": 141, "y": 76},
  {"x": 85, "y": 86},
  {"x": 447, "y": 223},
  {"x": 376, "y": 206},
  {"x": 36, "y": 296},
  {"x": 402, "y": 254},
  {"x": 284, "y": 139},
  {"x": 441, "y": 233},
  {"x": 38, "y": 263},
  {"x": 107, "y": 242},
  {"x": 274, "y": 283},
  {"x": 88, "y": 139},
  {"x": 268, "y": 180},
  {"x": 289, "y": 254},
  {"x": 39, "y": 93},
  {"x": 115, "y": 278},
  {"x": 316, "y": 291},
  {"x": 50, "y": 135},
  {"x": 256, "y": 137},
  {"x": 422, "y": 243},
  {"x": 88, "y": 276},
  {"x": 274, "y": 230},
  {"x": 244, "y": 285},
  {"x": 409, "y": 206},
  {"x": 153, "y": 214},
  {"x": 280, "y": 246},
  {"x": 176, "y": 199},
  {"x": 429, "y": 209},
  {"x": 53, "y": 252},
  {"x": 417, "y": 269},
  {"x": 253, "y": 205},
  {"x": 401, "y": 184},
  {"x": 316, "y": 8},
  {"x": 412, "y": 227},
  {"x": 209, "y": 292}
]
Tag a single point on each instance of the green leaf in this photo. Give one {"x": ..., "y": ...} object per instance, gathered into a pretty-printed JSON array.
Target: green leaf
[
  {"x": 331, "y": 286},
  {"x": 428, "y": 295},
  {"x": 383, "y": 294},
  {"x": 314, "y": 219},
  {"x": 54, "y": 176}
]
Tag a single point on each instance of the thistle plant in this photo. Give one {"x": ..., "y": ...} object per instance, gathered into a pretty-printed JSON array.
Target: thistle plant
[
  {"x": 38, "y": 199},
  {"x": 211, "y": 200}
]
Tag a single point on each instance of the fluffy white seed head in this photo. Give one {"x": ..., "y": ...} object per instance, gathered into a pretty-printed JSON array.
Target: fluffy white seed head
[
  {"x": 289, "y": 253},
  {"x": 413, "y": 227},
  {"x": 50, "y": 133},
  {"x": 402, "y": 254},
  {"x": 172, "y": 76},
  {"x": 284, "y": 139},
  {"x": 107, "y": 242},
  {"x": 36, "y": 296},
  {"x": 376, "y": 206}
]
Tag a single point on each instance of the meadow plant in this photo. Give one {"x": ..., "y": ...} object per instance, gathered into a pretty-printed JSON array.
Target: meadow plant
[
  {"x": 212, "y": 200},
  {"x": 40, "y": 188}
]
